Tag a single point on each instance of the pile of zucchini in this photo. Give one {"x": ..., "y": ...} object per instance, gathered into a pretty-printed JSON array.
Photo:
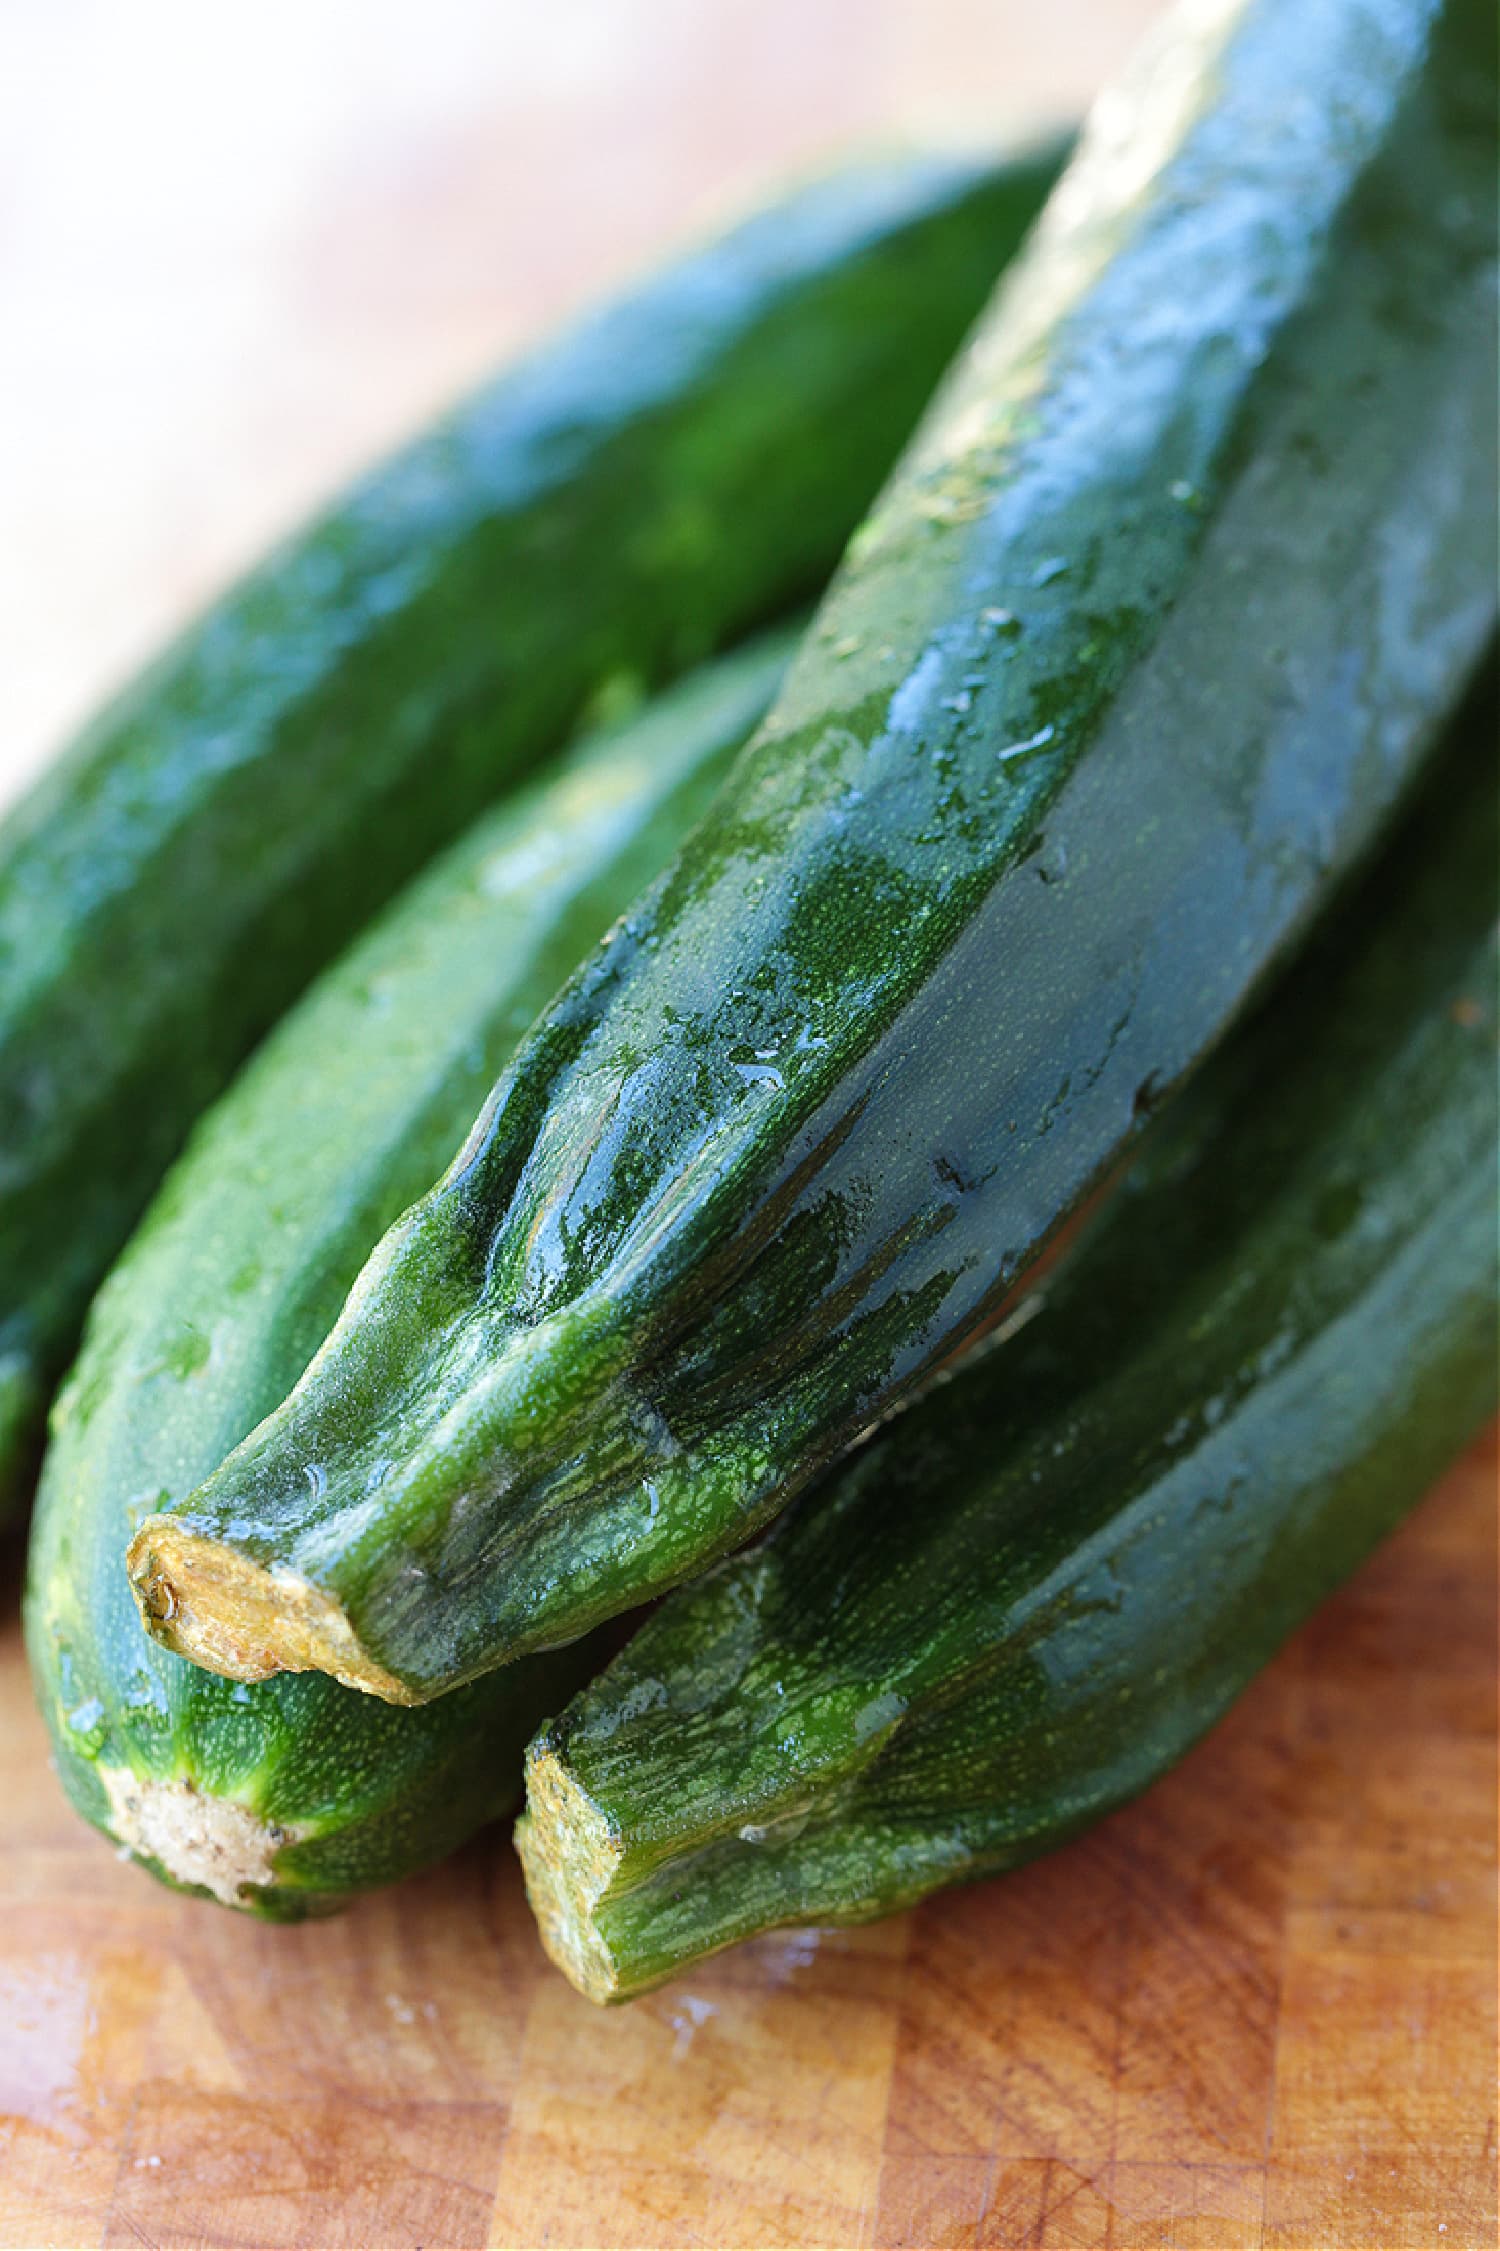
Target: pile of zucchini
[{"x": 984, "y": 1093}]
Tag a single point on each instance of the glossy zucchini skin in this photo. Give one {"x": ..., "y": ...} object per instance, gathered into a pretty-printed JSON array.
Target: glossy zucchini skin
[
  {"x": 284, "y": 1797},
  {"x": 1026, "y": 1598},
  {"x": 678, "y": 468},
  {"x": 1137, "y": 652}
]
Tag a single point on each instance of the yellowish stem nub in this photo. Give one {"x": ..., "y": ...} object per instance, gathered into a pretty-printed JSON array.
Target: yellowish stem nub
[
  {"x": 569, "y": 1856},
  {"x": 215, "y": 1607}
]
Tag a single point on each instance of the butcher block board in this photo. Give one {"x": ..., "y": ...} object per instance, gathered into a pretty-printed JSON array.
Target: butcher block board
[
  {"x": 251, "y": 244},
  {"x": 1255, "y": 2008}
]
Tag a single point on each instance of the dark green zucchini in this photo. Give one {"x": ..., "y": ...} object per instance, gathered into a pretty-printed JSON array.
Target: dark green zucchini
[
  {"x": 1137, "y": 652},
  {"x": 284, "y": 1797},
  {"x": 677, "y": 468},
  {"x": 1022, "y": 1601}
]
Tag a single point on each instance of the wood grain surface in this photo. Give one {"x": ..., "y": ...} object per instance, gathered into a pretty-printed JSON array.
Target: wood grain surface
[{"x": 243, "y": 246}]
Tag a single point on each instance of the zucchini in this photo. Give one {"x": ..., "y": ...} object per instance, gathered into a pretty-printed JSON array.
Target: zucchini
[
  {"x": 1135, "y": 655},
  {"x": 1027, "y": 1597},
  {"x": 285, "y": 1797},
  {"x": 678, "y": 468}
]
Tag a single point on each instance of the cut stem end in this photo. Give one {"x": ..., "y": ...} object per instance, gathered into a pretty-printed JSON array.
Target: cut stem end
[
  {"x": 212, "y": 1605},
  {"x": 214, "y": 1844},
  {"x": 569, "y": 1856}
]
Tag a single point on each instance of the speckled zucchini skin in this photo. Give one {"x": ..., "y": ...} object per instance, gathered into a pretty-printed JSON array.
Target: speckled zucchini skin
[
  {"x": 1022, "y": 1601},
  {"x": 348, "y": 1111},
  {"x": 677, "y": 468},
  {"x": 1137, "y": 652}
]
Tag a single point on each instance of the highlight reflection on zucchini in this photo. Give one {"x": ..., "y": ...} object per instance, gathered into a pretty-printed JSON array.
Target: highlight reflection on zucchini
[
  {"x": 1023, "y": 1601},
  {"x": 284, "y": 1797},
  {"x": 1167, "y": 604}
]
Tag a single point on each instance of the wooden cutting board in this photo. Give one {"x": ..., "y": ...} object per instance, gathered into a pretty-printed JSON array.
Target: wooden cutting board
[
  {"x": 251, "y": 243},
  {"x": 1255, "y": 2008}
]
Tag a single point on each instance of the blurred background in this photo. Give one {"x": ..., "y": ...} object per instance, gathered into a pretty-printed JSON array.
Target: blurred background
[{"x": 244, "y": 247}]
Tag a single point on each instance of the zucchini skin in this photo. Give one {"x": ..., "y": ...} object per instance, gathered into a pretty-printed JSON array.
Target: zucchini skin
[
  {"x": 1136, "y": 654},
  {"x": 230, "y": 1284},
  {"x": 630, "y": 498},
  {"x": 1027, "y": 1597}
]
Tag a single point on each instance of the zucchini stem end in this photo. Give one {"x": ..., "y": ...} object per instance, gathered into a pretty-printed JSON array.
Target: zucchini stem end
[{"x": 211, "y": 1604}]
